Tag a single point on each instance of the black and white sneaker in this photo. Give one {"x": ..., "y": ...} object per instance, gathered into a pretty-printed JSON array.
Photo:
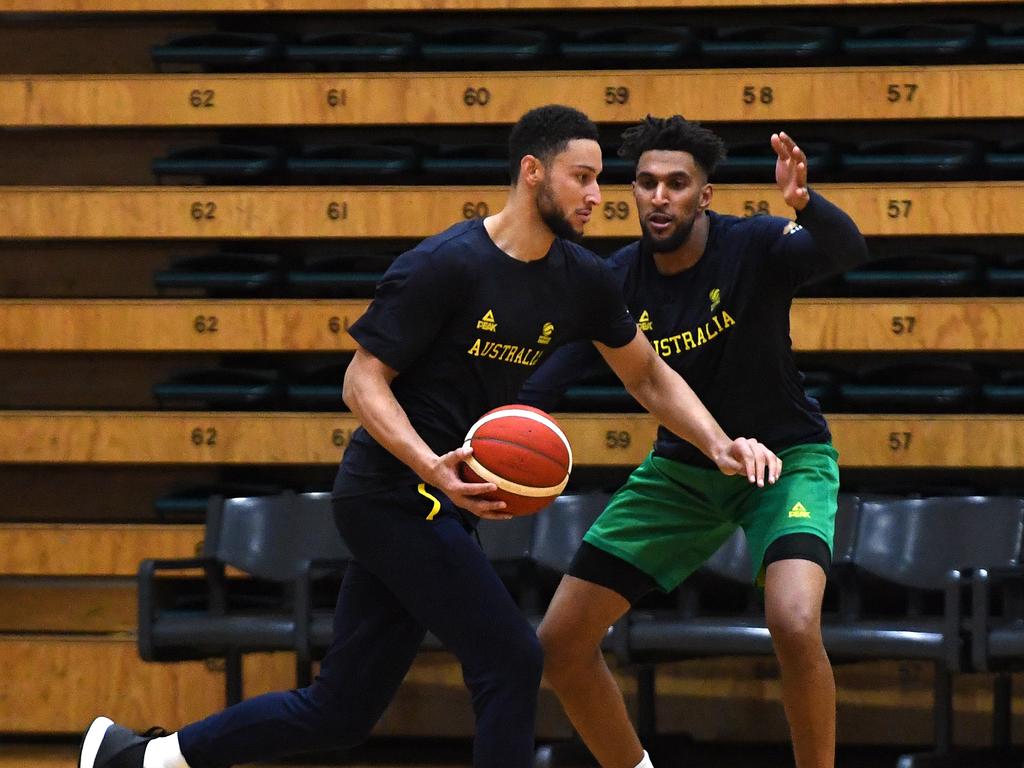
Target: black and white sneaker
[{"x": 109, "y": 745}]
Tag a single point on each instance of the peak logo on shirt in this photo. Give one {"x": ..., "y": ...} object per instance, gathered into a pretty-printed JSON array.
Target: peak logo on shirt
[
  {"x": 791, "y": 227},
  {"x": 716, "y": 299},
  {"x": 645, "y": 322},
  {"x": 799, "y": 510},
  {"x": 487, "y": 322},
  {"x": 545, "y": 333}
]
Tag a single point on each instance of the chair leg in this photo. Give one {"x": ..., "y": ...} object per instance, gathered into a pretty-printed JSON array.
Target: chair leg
[
  {"x": 646, "y": 716},
  {"x": 1002, "y": 699},
  {"x": 233, "y": 678},
  {"x": 943, "y": 710}
]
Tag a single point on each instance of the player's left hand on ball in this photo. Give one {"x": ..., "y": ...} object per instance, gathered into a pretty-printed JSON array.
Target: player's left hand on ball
[
  {"x": 445, "y": 476},
  {"x": 747, "y": 456}
]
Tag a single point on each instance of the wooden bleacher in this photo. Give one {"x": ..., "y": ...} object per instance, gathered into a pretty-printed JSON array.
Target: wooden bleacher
[
  {"x": 309, "y": 325},
  {"x": 919, "y": 208},
  {"x": 921, "y": 92},
  {"x": 605, "y": 440},
  {"x": 342, "y": 6}
]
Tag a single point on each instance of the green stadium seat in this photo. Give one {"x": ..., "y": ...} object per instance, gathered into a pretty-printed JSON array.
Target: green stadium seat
[
  {"x": 486, "y": 47},
  {"x": 359, "y": 163},
  {"x": 354, "y": 50},
  {"x": 912, "y": 160},
  {"x": 934, "y": 274},
  {"x": 629, "y": 47},
  {"x": 220, "y": 389},
  {"x": 767, "y": 45},
  {"x": 904, "y": 43},
  {"x": 219, "y": 51},
  {"x": 220, "y": 163},
  {"x": 913, "y": 386},
  {"x": 224, "y": 274}
]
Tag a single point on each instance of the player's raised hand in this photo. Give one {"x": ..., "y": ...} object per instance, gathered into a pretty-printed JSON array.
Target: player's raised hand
[
  {"x": 746, "y": 456},
  {"x": 790, "y": 171},
  {"x": 444, "y": 475}
]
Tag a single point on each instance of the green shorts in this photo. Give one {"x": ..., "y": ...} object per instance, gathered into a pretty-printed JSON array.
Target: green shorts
[{"x": 669, "y": 517}]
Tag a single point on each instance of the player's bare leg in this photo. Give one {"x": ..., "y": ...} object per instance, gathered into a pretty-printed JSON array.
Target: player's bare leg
[
  {"x": 793, "y": 594},
  {"x": 576, "y": 621}
]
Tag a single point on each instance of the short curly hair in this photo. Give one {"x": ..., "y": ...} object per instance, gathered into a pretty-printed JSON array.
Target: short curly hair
[
  {"x": 544, "y": 132},
  {"x": 675, "y": 134}
]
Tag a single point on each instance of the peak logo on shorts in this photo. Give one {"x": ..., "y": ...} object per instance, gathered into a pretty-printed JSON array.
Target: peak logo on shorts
[
  {"x": 799, "y": 510},
  {"x": 645, "y": 322},
  {"x": 545, "y": 333},
  {"x": 487, "y": 322}
]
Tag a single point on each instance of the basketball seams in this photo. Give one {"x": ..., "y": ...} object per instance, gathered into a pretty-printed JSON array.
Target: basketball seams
[
  {"x": 508, "y": 486},
  {"x": 525, "y": 414},
  {"x": 524, "y": 448}
]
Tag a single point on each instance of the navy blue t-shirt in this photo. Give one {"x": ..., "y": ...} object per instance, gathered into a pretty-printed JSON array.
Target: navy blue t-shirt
[
  {"x": 465, "y": 325},
  {"x": 723, "y": 324}
]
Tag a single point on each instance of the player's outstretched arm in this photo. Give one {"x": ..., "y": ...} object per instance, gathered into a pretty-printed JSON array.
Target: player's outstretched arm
[
  {"x": 367, "y": 392},
  {"x": 663, "y": 392}
]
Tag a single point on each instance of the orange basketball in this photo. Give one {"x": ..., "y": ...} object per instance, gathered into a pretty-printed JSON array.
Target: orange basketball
[{"x": 524, "y": 452}]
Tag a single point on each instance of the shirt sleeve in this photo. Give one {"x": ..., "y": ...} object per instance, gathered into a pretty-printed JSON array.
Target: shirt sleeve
[
  {"x": 407, "y": 311},
  {"x": 824, "y": 241},
  {"x": 610, "y": 321}
]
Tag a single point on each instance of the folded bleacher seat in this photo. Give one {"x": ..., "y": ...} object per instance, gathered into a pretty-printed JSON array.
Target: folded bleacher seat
[
  {"x": 1006, "y": 393},
  {"x": 1006, "y": 159},
  {"x": 467, "y": 164},
  {"x": 913, "y": 386},
  {"x": 767, "y": 45},
  {"x": 912, "y": 160},
  {"x": 484, "y": 47},
  {"x": 899, "y": 43},
  {"x": 1006, "y": 41},
  {"x": 336, "y": 276},
  {"x": 224, "y": 274},
  {"x": 754, "y": 162},
  {"x": 348, "y": 50},
  {"x": 318, "y": 389},
  {"x": 220, "y": 51},
  {"x": 931, "y": 274},
  {"x": 220, "y": 388},
  {"x": 1005, "y": 276},
  {"x": 219, "y": 163},
  {"x": 629, "y": 47},
  {"x": 382, "y": 163}
]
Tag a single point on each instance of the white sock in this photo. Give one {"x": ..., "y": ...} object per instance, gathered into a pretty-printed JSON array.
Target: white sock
[
  {"x": 164, "y": 752},
  {"x": 644, "y": 763}
]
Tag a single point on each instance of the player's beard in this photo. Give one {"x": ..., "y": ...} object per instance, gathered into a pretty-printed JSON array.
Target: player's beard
[
  {"x": 555, "y": 220},
  {"x": 670, "y": 243}
]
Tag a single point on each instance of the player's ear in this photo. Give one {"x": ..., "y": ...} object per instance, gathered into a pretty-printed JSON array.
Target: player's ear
[
  {"x": 706, "y": 193},
  {"x": 531, "y": 169}
]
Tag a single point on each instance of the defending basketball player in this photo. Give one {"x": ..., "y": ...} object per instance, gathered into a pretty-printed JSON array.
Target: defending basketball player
[
  {"x": 456, "y": 326},
  {"x": 713, "y": 294}
]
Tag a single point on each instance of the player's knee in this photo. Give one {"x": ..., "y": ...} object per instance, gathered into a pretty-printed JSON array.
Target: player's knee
[
  {"x": 795, "y": 627},
  {"x": 557, "y": 639}
]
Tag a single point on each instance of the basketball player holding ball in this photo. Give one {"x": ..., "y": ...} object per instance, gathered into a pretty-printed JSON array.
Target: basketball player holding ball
[{"x": 457, "y": 325}]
